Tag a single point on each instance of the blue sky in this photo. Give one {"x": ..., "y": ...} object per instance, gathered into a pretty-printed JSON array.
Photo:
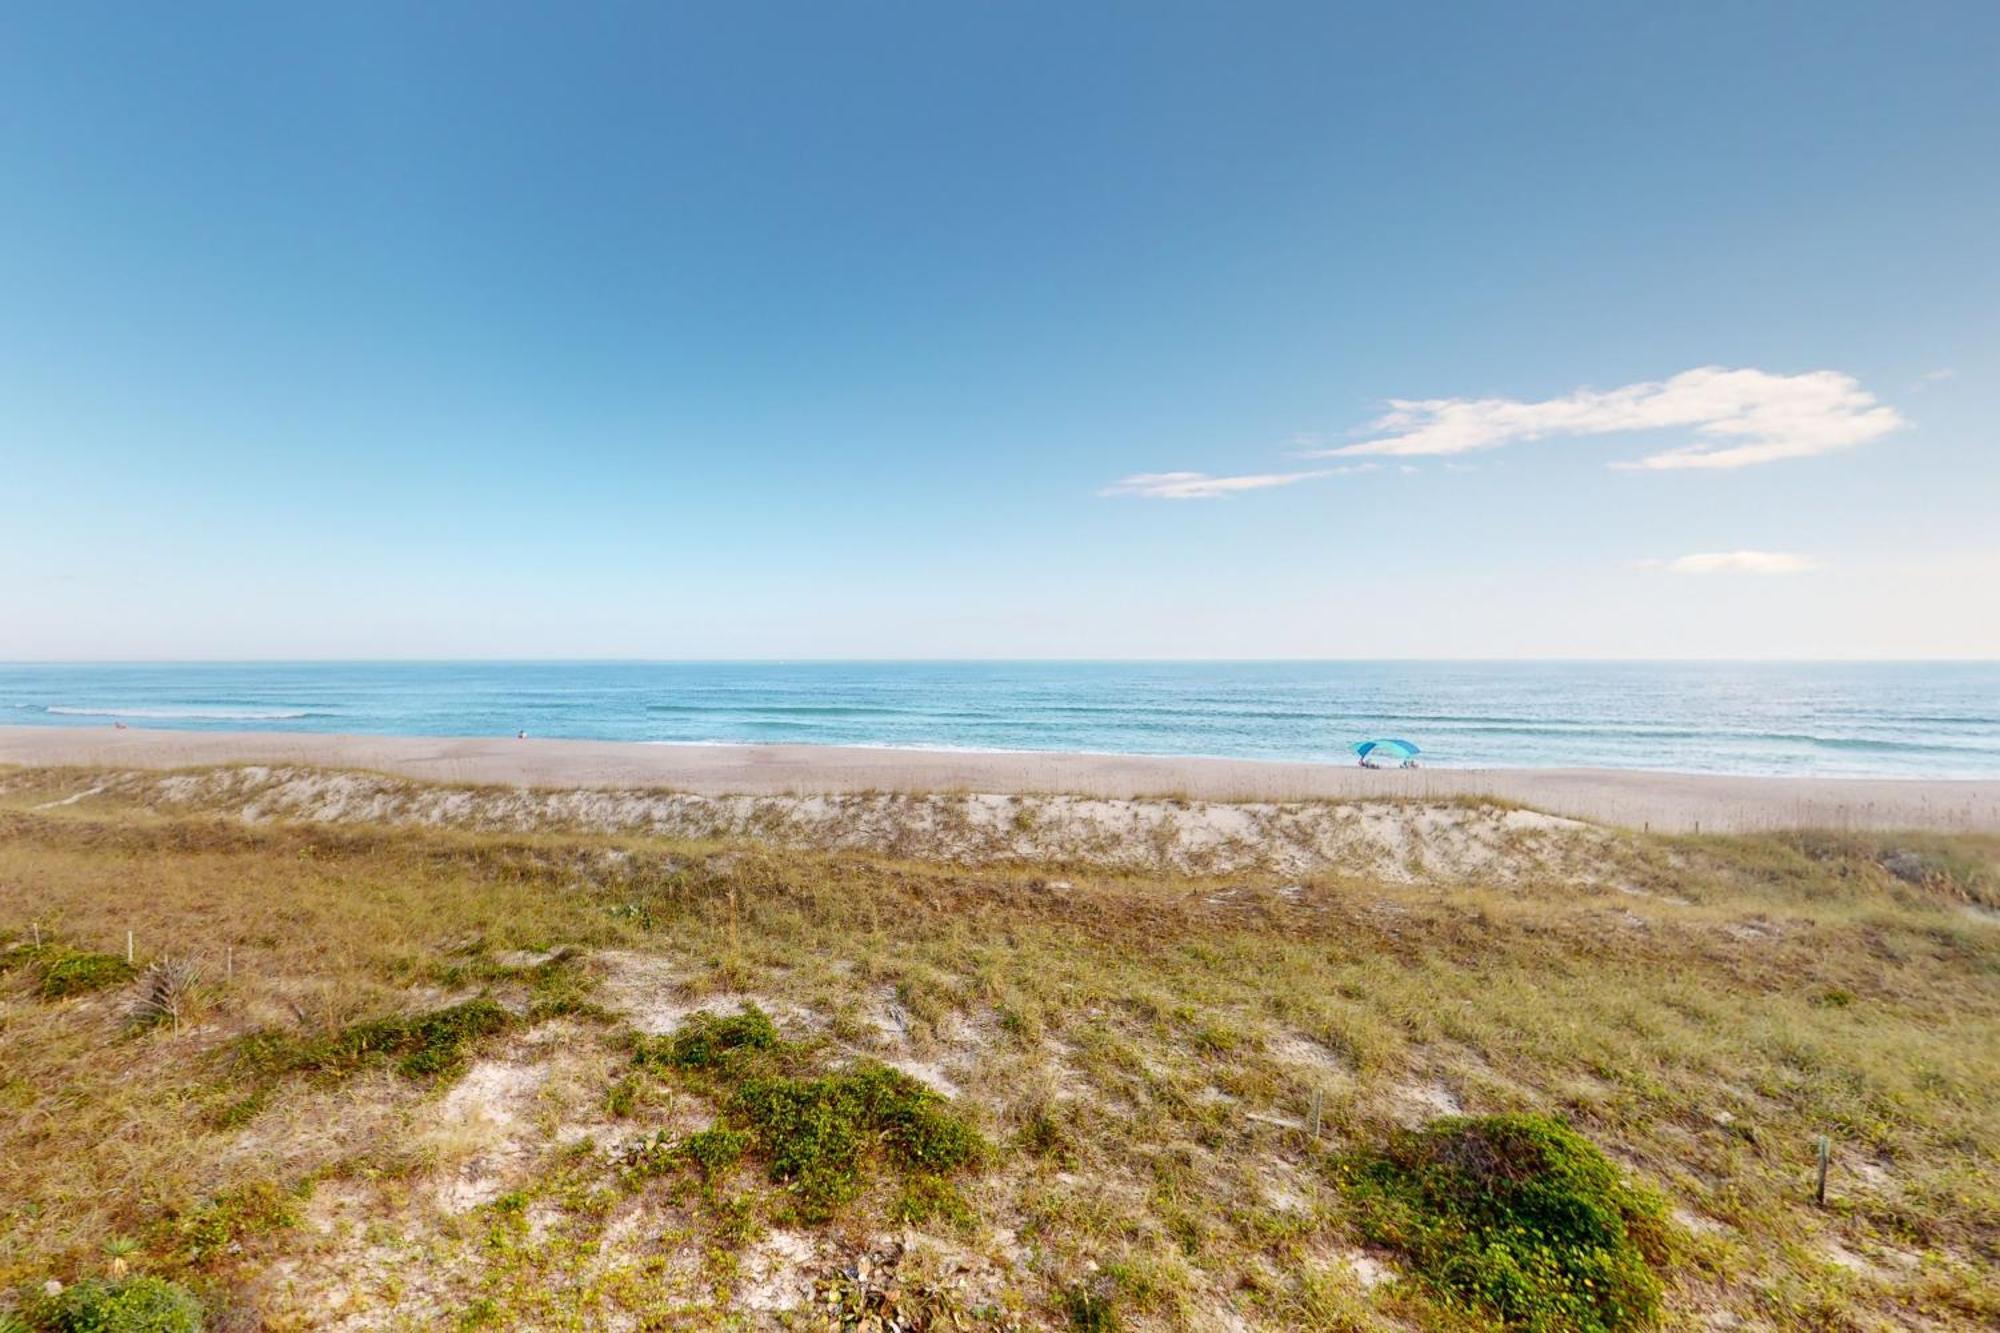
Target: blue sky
[{"x": 759, "y": 330}]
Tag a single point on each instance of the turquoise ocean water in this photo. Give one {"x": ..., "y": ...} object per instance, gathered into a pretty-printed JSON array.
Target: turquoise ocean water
[{"x": 1832, "y": 719}]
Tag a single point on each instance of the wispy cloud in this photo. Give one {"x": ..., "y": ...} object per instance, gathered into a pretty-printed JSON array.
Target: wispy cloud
[
  {"x": 1740, "y": 418},
  {"x": 1735, "y": 562},
  {"x": 1201, "y": 486},
  {"x": 1930, "y": 377}
]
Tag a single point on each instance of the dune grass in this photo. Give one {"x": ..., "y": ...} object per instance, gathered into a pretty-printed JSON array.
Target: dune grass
[{"x": 1131, "y": 1068}]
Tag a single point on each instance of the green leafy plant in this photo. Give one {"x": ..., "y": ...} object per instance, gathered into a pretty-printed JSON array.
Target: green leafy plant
[
  {"x": 707, "y": 1040},
  {"x": 1518, "y": 1216},
  {"x": 423, "y": 1045},
  {"x": 119, "y": 1305},
  {"x": 715, "y": 1150},
  {"x": 120, "y": 1249},
  {"x": 67, "y": 972},
  {"x": 818, "y": 1133}
]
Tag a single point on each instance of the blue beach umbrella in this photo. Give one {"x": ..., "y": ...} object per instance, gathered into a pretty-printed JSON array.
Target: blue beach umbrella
[{"x": 1386, "y": 749}]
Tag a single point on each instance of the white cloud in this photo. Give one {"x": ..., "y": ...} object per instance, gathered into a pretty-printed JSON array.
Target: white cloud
[
  {"x": 1735, "y": 562},
  {"x": 1201, "y": 486},
  {"x": 1741, "y": 417}
]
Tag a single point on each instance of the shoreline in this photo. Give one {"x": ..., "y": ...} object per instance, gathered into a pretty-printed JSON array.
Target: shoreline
[{"x": 1634, "y": 798}]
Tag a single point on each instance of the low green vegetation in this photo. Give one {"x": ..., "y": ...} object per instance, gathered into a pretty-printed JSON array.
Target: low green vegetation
[
  {"x": 817, "y": 1133},
  {"x": 425, "y": 1045},
  {"x": 81, "y": 973},
  {"x": 715, "y": 1150},
  {"x": 211, "y": 1228},
  {"x": 117, "y": 1305},
  {"x": 707, "y": 1040},
  {"x": 61, "y": 971},
  {"x": 1517, "y": 1216}
]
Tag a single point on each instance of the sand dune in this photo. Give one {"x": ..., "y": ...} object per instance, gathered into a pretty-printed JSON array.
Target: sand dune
[{"x": 1663, "y": 801}]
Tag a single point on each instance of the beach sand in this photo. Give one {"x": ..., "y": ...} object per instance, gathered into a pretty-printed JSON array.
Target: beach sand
[{"x": 1662, "y": 801}]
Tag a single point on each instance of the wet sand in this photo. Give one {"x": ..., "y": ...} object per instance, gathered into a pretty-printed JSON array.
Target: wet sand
[{"x": 1662, "y": 801}]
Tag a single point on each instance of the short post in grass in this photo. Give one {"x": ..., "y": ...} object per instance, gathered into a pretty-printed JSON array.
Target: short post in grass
[
  {"x": 735, "y": 943},
  {"x": 128, "y": 947},
  {"x": 1314, "y": 1110},
  {"x": 36, "y": 926},
  {"x": 1825, "y": 1155}
]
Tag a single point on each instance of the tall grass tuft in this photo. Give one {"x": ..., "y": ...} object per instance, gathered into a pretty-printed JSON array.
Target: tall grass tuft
[{"x": 169, "y": 990}]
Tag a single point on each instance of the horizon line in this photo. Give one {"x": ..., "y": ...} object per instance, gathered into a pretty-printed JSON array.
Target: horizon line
[{"x": 986, "y": 661}]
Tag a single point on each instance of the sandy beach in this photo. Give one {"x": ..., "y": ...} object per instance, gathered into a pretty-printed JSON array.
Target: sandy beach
[{"x": 1637, "y": 799}]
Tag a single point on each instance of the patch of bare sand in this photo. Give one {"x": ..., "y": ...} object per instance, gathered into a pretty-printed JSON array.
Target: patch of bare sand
[
  {"x": 650, "y": 991},
  {"x": 942, "y": 1054},
  {"x": 1416, "y": 1104},
  {"x": 1322, "y": 1062},
  {"x": 778, "y": 1272},
  {"x": 481, "y": 1129}
]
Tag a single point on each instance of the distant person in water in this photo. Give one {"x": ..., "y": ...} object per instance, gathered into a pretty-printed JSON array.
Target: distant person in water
[{"x": 521, "y": 735}]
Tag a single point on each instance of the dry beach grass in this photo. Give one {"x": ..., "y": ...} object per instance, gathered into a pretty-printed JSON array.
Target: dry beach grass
[{"x": 416, "y": 1082}]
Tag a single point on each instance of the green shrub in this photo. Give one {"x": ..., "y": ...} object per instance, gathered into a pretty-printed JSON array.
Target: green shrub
[
  {"x": 817, "y": 1133},
  {"x": 423, "y": 1045},
  {"x": 1518, "y": 1216},
  {"x": 426, "y": 1044},
  {"x": 712, "y": 1151},
  {"x": 715, "y": 1150},
  {"x": 66, "y": 973},
  {"x": 706, "y": 1039},
  {"x": 121, "y": 1305}
]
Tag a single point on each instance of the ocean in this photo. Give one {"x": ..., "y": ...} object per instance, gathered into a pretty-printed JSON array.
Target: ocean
[{"x": 1824, "y": 719}]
